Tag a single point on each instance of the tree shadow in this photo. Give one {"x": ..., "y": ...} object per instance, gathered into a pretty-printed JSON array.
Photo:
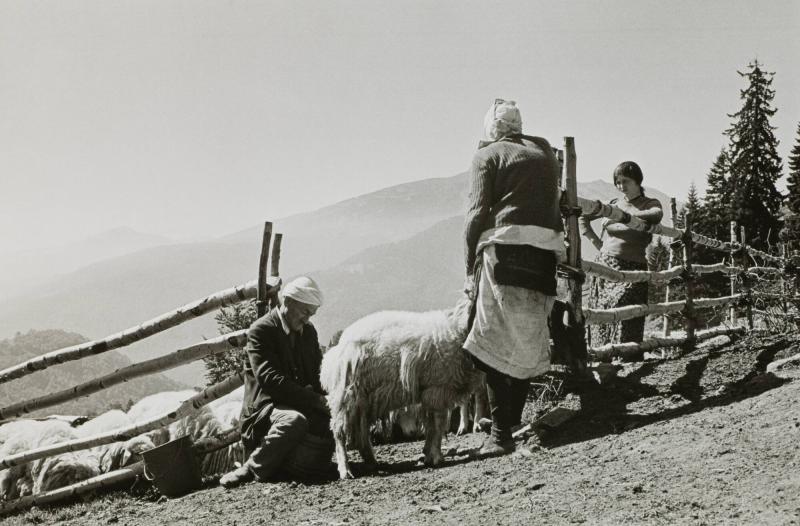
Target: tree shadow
[{"x": 688, "y": 385}]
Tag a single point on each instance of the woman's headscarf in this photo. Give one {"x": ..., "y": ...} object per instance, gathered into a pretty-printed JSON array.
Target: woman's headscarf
[{"x": 502, "y": 119}]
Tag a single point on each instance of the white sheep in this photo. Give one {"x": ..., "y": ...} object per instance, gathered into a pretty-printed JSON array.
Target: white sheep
[
  {"x": 118, "y": 454},
  {"x": 393, "y": 359},
  {"x": 47, "y": 473}
]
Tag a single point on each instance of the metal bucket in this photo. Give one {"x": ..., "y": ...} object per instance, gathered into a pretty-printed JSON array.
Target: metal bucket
[
  {"x": 311, "y": 459},
  {"x": 173, "y": 467}
]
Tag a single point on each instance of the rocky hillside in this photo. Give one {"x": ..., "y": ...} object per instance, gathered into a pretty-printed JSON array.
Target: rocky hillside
[{"x": 34, "y": 343}]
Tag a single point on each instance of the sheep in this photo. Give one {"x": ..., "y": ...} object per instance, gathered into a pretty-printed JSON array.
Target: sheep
[
  {"x": 47, "y": 473},
  {"x": 217, "y": 417},
  {"x": 393, "y": 359},
  {"x": 118, "y": 454}
]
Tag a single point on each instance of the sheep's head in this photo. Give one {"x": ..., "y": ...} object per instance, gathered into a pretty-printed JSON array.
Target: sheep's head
[{"x": 133, "y": 449}]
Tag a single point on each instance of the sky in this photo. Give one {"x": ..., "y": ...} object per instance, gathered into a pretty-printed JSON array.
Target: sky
[{"x": 194, "y": 119}]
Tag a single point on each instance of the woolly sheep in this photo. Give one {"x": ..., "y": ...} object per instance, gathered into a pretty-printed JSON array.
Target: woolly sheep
[
  {"x": 118, "y": 454},
  {"x": 393, "y": 359},
  {"x": 48, "y": 473}
]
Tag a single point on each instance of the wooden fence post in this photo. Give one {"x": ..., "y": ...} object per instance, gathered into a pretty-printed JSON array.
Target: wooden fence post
[
  {"x": 261, "y": 297},
  {"x": 732, "y": 312},
  {"x": 673, "y": 208},
  {"x": 578, "y": 357},
  {"x": 746, "y": 288},
  {"x": 690, "y": 321},
  {"x": 274, "y": 267}
]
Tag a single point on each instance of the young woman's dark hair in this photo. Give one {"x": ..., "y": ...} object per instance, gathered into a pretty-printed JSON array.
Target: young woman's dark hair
[{"x": 630, "y": 170}]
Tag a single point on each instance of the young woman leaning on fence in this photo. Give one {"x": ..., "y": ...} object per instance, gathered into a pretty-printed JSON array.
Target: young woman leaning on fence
[{"x": 621, "y": 248}]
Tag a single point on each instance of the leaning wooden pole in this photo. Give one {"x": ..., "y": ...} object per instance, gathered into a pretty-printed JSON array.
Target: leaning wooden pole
[
  {"x": 690, "y": 319},
  {"x": 224, "y": 343},
  {"x": 185, "y": 408},
  {"x": 746, "y": 281},
  {"x": 128, "y": 336},
  {"x": 732, "y": 312},
  {"x": 673, "y": 209},
  {"x": 103, "y": 481},
  {"x": 578, "y": 357},
  {"x": 261, "y": 299}
]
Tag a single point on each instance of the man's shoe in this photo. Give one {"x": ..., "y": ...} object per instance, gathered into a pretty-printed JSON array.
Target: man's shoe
[
  {"x": 494, "y": 448},
  {"x": 235, "y": 478}
]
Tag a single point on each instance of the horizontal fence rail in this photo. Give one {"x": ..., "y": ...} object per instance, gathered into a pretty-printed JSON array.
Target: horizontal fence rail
[
  {"x": 597, "y": 316},
  {"x": 186, "y": 408},
  {"x": 101, "y": 481},
  {"x": 597, "y": 208},
  {"x": 610, "y": 351},
  {"x": 216, "y": 345},
  {"x": 161, "y": 323},
  {"x": 650, "y": 276}
]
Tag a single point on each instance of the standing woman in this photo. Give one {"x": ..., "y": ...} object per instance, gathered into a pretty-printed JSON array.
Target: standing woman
[
  {"x": 622, "y": 248},
  {"x": 513, "y": 239}
]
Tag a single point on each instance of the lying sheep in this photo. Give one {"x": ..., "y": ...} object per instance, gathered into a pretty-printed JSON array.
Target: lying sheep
[
  {"x": 118, "y": 454},
  {"x": 389, "y": 360},
  {"x": 47, "y": 473}
]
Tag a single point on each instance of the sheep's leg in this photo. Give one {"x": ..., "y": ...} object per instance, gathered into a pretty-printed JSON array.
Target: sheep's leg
[
  {"x": 365, "y": 445},
  {"x": 481, "y": 407},
  {"x": 464, "y": 415},
  {"x": 437, "y": 423},
  {"x": 341, "y": 456}
]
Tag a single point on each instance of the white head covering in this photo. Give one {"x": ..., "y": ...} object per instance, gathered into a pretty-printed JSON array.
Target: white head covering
[
  {"x": 305, "y": 290},
  {"x": 502, "y": 119}
]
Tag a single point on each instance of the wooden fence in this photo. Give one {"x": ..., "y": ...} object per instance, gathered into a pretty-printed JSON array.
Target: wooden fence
[{"x": 265, "y": 289}]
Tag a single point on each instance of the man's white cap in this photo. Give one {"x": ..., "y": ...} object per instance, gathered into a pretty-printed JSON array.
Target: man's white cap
[{"x": 305, "y": 290}]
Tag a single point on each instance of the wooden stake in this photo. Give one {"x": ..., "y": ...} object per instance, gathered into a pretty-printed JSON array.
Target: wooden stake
[
  {"x": 274, "y": 269},
  {"x": 746, "y": 285},
  {"x": 732, "y": 313},
  {"x": 578, "y": 357},
  {"x": 673, "y": 208},
  {"x": 690, "y": 321},
  {"x": 261, "y": 300}
]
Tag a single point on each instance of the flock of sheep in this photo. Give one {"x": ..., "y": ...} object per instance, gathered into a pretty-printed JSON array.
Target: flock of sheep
[
  {"x": 382, "y": 365},
  {"x": 58, "y": 471}
]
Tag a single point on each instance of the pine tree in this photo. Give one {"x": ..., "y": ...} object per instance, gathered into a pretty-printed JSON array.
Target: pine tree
[
  {"x": 234, "y": 318},
  {"x": 793, "y": 182},
  {"x": 718, "y": 211},
  {"x": 755, "y": 165}
]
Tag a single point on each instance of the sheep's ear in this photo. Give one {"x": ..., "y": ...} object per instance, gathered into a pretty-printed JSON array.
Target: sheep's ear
[{"x": 126, "y": 457}]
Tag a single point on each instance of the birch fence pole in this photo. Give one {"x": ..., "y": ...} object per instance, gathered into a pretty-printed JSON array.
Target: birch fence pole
[
  {"x": 746, "y": 285},
  {"x": 732, "y": 313},
  {"x": 673, "y": 209},
  {"x": 578, "y": 357},
  {"x": 261, "y": 298},
  {"x": 274, "y": 266},
  {"x": 690, "y": 320}
]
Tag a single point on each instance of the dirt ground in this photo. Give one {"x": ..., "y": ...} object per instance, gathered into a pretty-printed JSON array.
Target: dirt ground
[{"x": 705, "y": 439}]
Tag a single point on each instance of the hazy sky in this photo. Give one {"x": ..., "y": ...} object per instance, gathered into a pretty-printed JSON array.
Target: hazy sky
[{"x": 194, "y": 119}]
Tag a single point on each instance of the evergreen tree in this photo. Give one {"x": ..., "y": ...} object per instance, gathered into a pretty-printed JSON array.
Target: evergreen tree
[
  {"x": 718, "y": 211},
  {"x": 234, "y": 318},
  {"x": 791, "y": 227},
  {"x": 793, "y": 182},
  {"x": 755, "y": 165}
]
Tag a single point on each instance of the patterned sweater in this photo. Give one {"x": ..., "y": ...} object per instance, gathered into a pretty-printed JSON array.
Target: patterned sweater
[{"x": 513, "y": 181}]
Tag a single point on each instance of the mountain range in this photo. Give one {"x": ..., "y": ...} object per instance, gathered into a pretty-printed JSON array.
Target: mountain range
[{"x": 396, "y": 248}]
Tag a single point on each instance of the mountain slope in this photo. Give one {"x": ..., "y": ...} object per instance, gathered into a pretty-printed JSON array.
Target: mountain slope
[
  {"x": 396, "y": 248},
  {"x": 34, "y": 343}
]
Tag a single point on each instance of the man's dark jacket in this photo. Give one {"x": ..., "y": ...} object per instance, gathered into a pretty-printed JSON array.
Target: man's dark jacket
[{"x": 274, "y": 373}]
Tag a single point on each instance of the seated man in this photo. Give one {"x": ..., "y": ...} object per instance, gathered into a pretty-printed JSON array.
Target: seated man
[{"x": 282, "y": 395}]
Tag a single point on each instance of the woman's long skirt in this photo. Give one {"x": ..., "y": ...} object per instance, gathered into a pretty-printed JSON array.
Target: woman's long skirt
[{"x": 604, "y": 294}]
